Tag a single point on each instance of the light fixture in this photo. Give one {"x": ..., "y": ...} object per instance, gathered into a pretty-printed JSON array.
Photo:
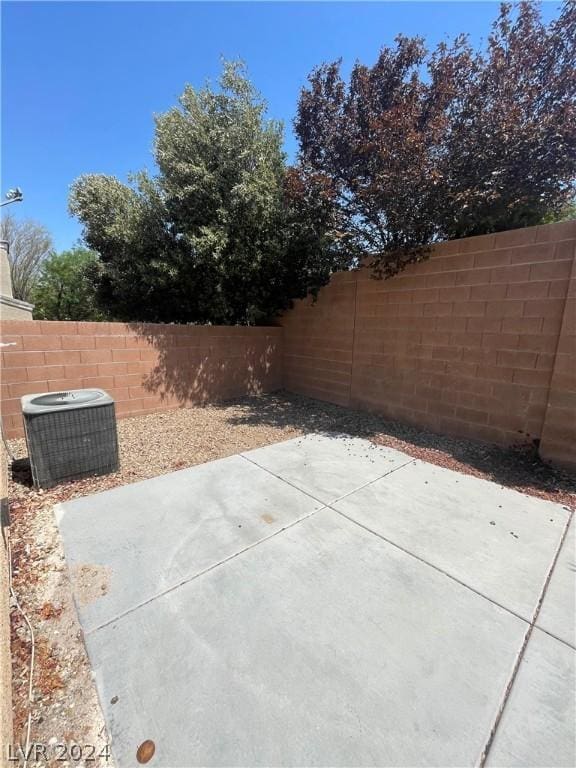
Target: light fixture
[{"x": 13, "y": 196}]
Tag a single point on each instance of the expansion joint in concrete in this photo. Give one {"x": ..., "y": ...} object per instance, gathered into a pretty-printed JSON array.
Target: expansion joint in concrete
[{"x": 508, "y": 690}]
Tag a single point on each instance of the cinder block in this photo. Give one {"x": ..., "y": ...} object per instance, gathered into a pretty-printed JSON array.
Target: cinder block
[
  {"x": 98, "y": 382},
  {"x": 459, "y": 293},
  {"x": 125, "y": 355},
  {"x": 543, "y": 308},
  {"x": 506, "y": 308},
  {"x": 545, "y": 362},
  {"x": 552, "y": 233},
  {"x": 488, "y": 292},
  {"x": 484, "y": 324},
  {"x": 446, "y": 353},
  {"x": 470, "y": 309},
  {"x": 109, "y": 342},
  {"x": 27, "y": 388},
  {"x": 95, "y": 356},
  {"x": 22, "y": 359},
  {"x": 473, "y": 277},
  {"x": 522, "y": 325},
  {"x": 558, "y": 289},
  {"x": 551, "y": 270},
  {"x": 538, "y": 342},
  {"x": 472, "y": 415},
  {"x": 437, "y": 309},
  {"x": 13, "y": 375},
  {"x": 481, "y": 356},
  {"x": 533, "y": 253},
  {"x": 497, "y": 373},
  {"x": 80, "y": 371},
  {"x": 461, "y": 368},
  {"x": 421, "y": 295},
  {"x": 532, "y": 378},
  {"x": 500, "y": 340},
  {"x": 60, "y": 327},
  {"x": 44, "y": 372},
  {"x": 10, "y": 406},
  {"x": 441, "y": 280},
  {"x": 64, "y": 357},
  {"x": 41, "y": 342},
  {"x": 565, "y": 249},
  {"x": 491, "y": 258},
  {"x": 111, "y": 369},
  {"x": 78, "y": 342},
  {"x": 511, "y": 274},
  {"x": 517, "y": 358},
  {"x": 528, "y": 290},
  {"x": 93, "y": 328},
  {"x": 477, "y": 243},
  {"x": 20, "y": 327},
  {"x": 451, "y": 324},
  {"x": 63, "y": 385},
  {"x": 467, "y": 339},
  {"x": 515, "y": 237}
]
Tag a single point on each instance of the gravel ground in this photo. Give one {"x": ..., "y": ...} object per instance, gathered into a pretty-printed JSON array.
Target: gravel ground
[{"x": 65, "y": 707}]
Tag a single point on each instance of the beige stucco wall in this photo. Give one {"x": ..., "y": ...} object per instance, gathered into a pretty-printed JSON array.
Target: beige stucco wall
[
  {"x": 10, "y": 308},
  {"x": 5, "y": 279}
]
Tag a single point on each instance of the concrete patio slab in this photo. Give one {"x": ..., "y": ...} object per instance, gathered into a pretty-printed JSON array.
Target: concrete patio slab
[
  {"x": 328, "y": 466},
  {"x": 538, "y": 725},
  {"x": 235, "y": 620},
  {"x": 493, "y": 539},
  {"x": 558, "y": 613},
  {"x": 126, "y": 545},
  {"x": 321, "y": 646}
]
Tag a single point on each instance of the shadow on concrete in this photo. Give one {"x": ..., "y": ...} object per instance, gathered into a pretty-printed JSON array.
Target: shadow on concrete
[{"x": 516, "y": 467}]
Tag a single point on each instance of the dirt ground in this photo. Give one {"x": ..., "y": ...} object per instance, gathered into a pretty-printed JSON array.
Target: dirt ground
[{"x": 65, "y": 708}]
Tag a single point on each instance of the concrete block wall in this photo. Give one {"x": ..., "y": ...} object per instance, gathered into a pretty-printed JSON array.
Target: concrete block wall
[
  {"x": 319, "y": 342},
  {"x": 463, "y": 343},
  {"x": 145, "y": 368},
  {"x": 479, "y": 340},
  {"x": 559, "y": 431}
]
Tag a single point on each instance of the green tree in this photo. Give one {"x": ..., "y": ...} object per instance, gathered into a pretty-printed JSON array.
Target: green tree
[
  {"x": 567, "y": 213},
  {"x": 65, "y": 287},
  {"x": 221, "y": 234}
]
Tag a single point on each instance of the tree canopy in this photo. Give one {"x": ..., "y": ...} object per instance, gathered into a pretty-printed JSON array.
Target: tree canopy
[
  {"x": 222, "y": 234},
  {"x": 424, "y": 145},
  {"x": 65, "y": 289},
  {"x": 445, "y": 144},
  {"x": 30, "y": 243}
]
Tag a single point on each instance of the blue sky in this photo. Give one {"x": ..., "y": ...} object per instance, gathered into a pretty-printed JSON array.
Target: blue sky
[{"x": 82, "y": 80}]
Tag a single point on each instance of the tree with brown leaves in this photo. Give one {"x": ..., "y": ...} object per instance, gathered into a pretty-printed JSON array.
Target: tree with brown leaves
[{"x": 425, "y": 146}]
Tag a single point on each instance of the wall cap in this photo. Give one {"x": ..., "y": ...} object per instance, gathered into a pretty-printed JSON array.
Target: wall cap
[{"x": 11, "y": 302}]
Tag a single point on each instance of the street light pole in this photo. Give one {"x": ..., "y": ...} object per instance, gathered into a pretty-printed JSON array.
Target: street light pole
[{"x": 13, "y": 196}]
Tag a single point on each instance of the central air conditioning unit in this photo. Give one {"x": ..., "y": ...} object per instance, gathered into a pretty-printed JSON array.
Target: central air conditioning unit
[{"x": 70, "y": 435}]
